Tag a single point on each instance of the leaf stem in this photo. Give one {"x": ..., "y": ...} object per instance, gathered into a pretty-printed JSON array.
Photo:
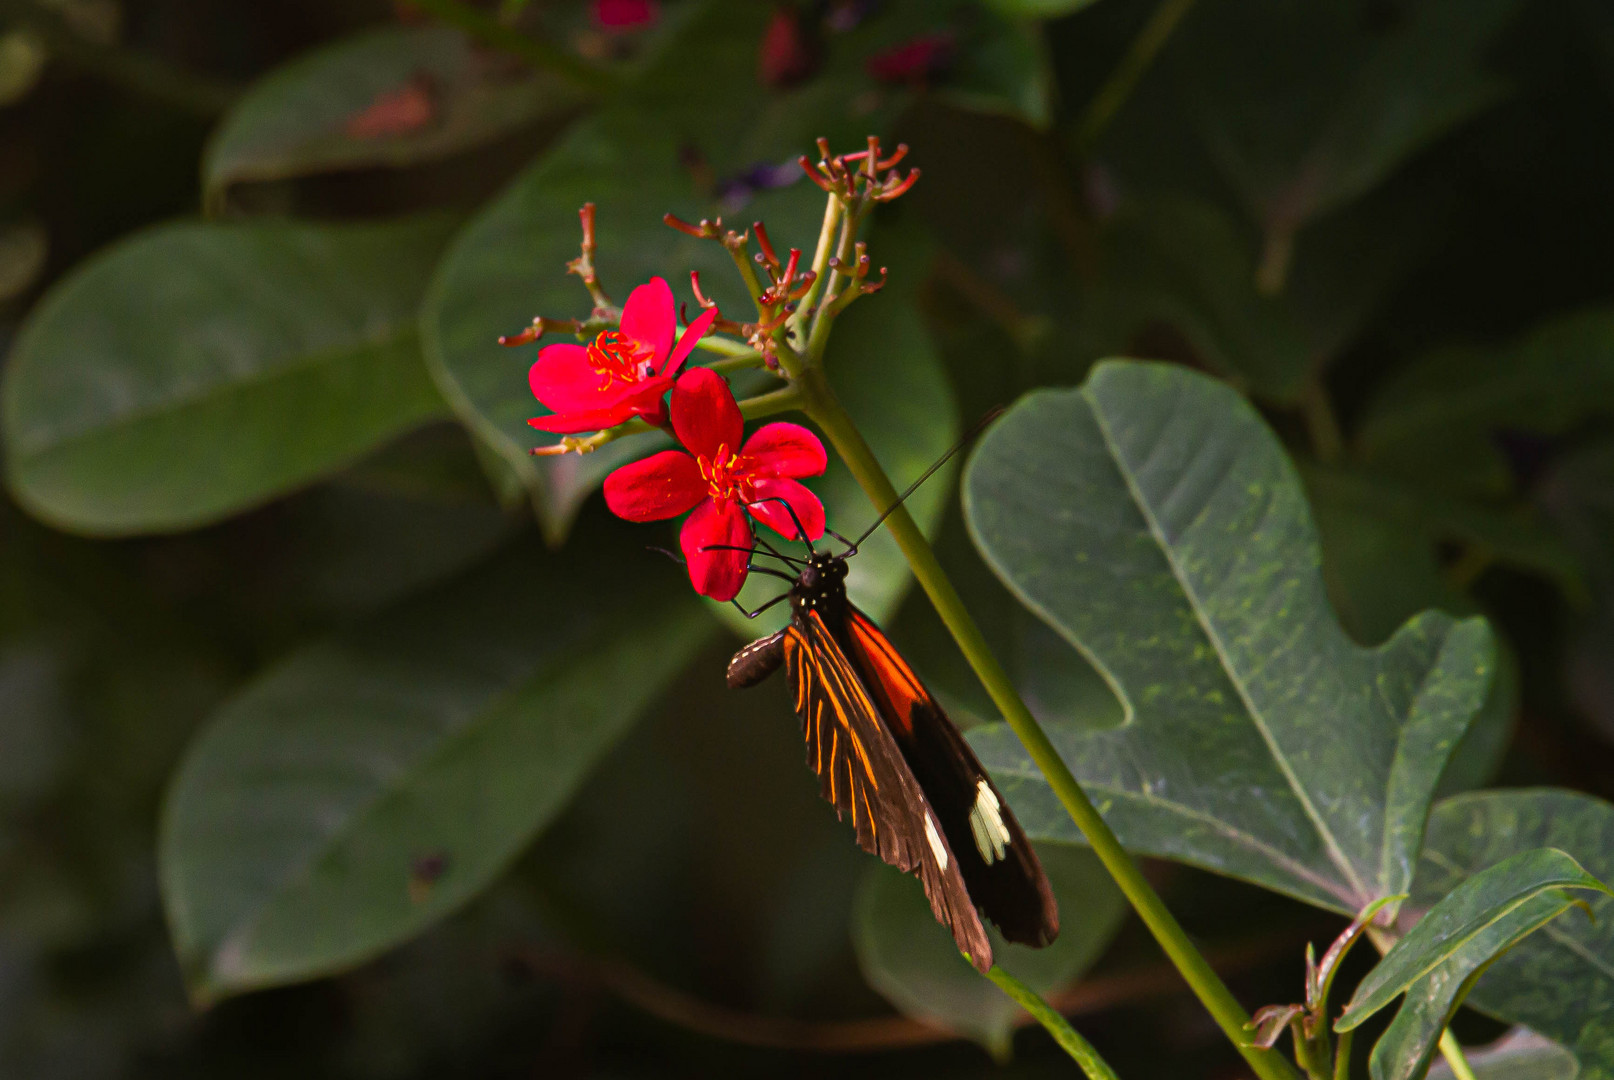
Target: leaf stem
[
  {"x": 727, "y": 347},
  {"x": 1452, "y": 1051},
  {"x": 539, "y": 54},
  {"x": 1327, "y": 441},
  {"x": 1129, "y": 72},
  {"x": 1068, "y": 1038},
  {"x": 1342, "y": 1055},
  {"x": 821, "y": 405}
]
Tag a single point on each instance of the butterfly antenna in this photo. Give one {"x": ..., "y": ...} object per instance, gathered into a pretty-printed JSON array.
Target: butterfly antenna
[{"x": 974, "y": 430}]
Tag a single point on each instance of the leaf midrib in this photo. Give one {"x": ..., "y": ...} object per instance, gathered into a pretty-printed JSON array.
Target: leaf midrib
[{"x": 1330, "y": 842}]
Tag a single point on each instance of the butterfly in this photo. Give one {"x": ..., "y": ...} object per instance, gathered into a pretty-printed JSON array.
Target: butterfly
[{"x": 888, "y": 757}]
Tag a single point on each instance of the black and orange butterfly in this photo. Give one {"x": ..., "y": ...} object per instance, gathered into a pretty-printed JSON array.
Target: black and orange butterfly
[{"x": 888, "y": 757}]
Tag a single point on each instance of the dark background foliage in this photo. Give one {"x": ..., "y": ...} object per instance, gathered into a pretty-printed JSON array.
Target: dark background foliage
[{"x": 1386, "y": 223}]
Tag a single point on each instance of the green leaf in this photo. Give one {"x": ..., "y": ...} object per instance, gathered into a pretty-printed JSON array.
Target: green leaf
[
  {"x": 1437, "y": 963},
  {"x": 1153, "y": 520},
  {"x": 309, "y": 116},
  {"x": 633, "y": 161},
  {"x": 1436, "y": 421},
  {"x": 1037, "y": 9},
  {"x": 194, "y": 371},
  {"x": 1310, "y": 109},
  {"x": 1559, "y": 982},
  {"x": 1521, "y": 1054},
  {"x": 911, "y": 959},
  {"x": 1469, "y": 925},
  {"x": 368, "y": 785}
]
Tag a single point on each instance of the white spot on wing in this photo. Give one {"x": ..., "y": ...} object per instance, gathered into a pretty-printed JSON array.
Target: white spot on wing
[
  {"x": 986, "y": 824},
  {"x": 937, "y": 848}
]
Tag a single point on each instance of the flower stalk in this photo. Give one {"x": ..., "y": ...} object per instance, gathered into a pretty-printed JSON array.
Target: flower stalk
[{"x": 1068, "y": 1038}]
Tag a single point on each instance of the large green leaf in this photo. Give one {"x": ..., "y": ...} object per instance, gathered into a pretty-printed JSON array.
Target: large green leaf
[
  {"x": 633, "y": 159},
  {"x": 194, "y": 371},
  {"x": 1437, "y": 421},
  {"x": 1521, "y": 1054},
  {"x": 1559, "y": 982},
  {"x": 1436, "y": 963},
  {"x": 1153, "y": 520},
  {"x": 369, "y": 784},
  {"x": 310, "y": 116},
  {"x": 911, "y": 958}
]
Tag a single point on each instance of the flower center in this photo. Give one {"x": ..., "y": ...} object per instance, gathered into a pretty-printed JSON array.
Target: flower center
[
  {"x": 727, "y": 475},
  {"x": 617, "y": 358}
]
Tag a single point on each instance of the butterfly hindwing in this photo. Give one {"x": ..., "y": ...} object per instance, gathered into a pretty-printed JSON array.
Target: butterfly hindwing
[
  {"x": 998, "y": 864},
  {"x": 863, "y": 773}
]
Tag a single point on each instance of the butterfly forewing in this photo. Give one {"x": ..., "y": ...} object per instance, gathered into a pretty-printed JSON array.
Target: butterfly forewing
[{"x": 865, "y": 774}]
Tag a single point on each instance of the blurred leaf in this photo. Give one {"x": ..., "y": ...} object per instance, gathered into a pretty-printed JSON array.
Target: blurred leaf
[
  {"x": 1521, "y": 1054},
  {"x": 696, "y": 119},
  {"x": 1577, "y": 493},
  {"x": 911, "y": 959},
  {"x": 369, "y": 784},
  {"x": 1005, "y": 69},
  {"x": 1559, "y": 982},
  {"x": 22, "y": 256},
  {"x": 1437, "y": 421},
  {"x": 1308, "y": 108},
  {"x": 887, "y": 374},
  {"x": 1037, "y": 9},
  {"x": 1153, "y": 519},
  {"x": 22, "y": 62},
  {"x": 389, "y": 97},
  {"x": 194, "y": 371},
  {"x": 1436, "y": 962}
]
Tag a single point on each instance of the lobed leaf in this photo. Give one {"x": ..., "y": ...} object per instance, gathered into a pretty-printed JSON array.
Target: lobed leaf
[{"x": 1153, "y": 520}]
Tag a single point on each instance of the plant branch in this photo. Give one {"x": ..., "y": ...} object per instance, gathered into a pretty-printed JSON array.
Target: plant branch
[
  {"x": 781, "y": 400},
  {"x": 1342, "y": 1055},
  {"x": 136, "y": 71},
  {"x": 537, "y": 53},
  {"x": 821, "y": 256},
  {"x": 1452, "y": 1051},
  {"x": 1068, "y": 1038},
  {"x": 1129, "y": 72},
  {"x": 821, "y": 405}
]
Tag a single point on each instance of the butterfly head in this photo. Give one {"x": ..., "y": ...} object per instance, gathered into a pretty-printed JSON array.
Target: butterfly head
[{"x": 822, "y": 580}]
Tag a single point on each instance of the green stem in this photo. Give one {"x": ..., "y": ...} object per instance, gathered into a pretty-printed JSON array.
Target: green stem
[
  {"x": 820, "y": 404},
  {"x": 726, "y": 347},
  {"x": 1452, "y": 1051},
  {"x": 1068, "y": 1038},
  {"x": 1127, "y": 74},
  {"x": 821, "y": 254},
  {"x": 539, "y": 54},
  {"x": 737, "y": 363},
  {"x": 1342, "y": 1055},
  {"x": 818, "y": 337},
  {"x": 1327, "y": 442},
  {"x": 132, "y": 70}
]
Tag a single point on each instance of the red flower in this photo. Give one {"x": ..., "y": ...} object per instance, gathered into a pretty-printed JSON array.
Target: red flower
[
  {"x": 915, "y": 60},
  {"x": 621, "y": 373},
  {"x": 619, "y": 15},
  {"x": 720, "y": 480}
]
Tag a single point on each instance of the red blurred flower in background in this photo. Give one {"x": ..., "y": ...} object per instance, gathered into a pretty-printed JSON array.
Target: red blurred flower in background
[
  {"x": 622, "y": 373},
  {"x": 721, "y": 480},
  {"x": 619, "y": 15}
]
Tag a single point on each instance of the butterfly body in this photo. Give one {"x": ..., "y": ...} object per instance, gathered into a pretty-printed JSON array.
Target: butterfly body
[{"x": 888, "y": 758}]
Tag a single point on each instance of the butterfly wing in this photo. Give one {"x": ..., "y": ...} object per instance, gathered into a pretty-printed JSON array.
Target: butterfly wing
[
  {"x": 865, "y": 776},
  {"x": 999, "y": 866}
]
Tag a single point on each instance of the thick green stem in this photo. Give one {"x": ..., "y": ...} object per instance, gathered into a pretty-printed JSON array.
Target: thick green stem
[
  {"x": 1068, "y": 1038},
  {"x": 1452, "y": 1051},
  {"x": 1342, "y": 1055},
  {"x": 539, "y": 54},
  {"x": 820, "y": 404}
]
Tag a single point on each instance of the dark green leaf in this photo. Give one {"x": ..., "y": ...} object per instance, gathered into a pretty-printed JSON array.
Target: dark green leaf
[
  {"x": 1037, "y": 9},
  {"x": 1469, "y": 925},
  {"x": 1559, "y": 982},
  {"x": 911, "y": 958},
  {"x": 1436, "y": 422},
  {"x": 368, "y": 785},
  {"x": 1153, "y": 519},
  {"x": 388, "y": 97},
  {"x": 194, "y": 371}
]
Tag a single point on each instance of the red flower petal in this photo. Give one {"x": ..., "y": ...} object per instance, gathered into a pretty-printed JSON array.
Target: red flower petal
[
  {"x": 564, "y": 380},
  {"x": 695, "y": 331},
  {"x": 774, "y": 515},
  {"x": 704, "y": 414},
  {"x": 785, "y": 449},
  {"x": 607, "y": 410},
  {"x": 718, "y": 574},
  {"x": 661, "y": 486},
  {"x": 649, "y": 319}
]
